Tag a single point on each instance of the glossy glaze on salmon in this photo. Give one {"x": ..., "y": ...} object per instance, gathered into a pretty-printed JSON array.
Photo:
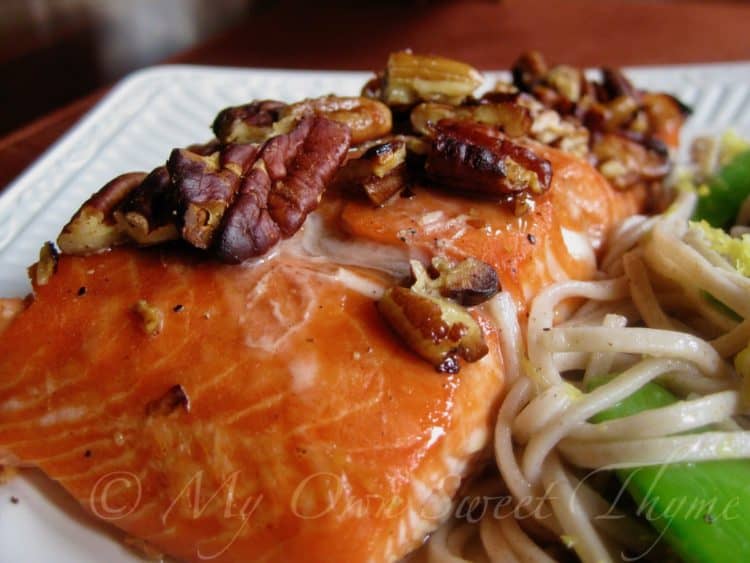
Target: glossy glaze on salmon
[{"x": 275, "y": 417}]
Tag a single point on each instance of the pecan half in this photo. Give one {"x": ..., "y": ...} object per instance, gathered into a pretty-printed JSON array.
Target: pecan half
[
  {"x": 511, "y": 118},
  {"x": 282, "y": 188},
  {"x": 476, "y": 157},
  {"x": 411, "y": 78},
  {"x": 93, "y": 227},
  {"x": 437, "y": 329},
  {"x": 205, "y": 190}
]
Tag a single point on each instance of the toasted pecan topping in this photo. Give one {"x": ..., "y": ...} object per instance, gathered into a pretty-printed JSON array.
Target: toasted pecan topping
[
  {"x": 611, "y": 106},
  {"x": 236, "y": 201},
  {"x": 436, "y": 328},
  {"x": 476, "y": 157},
  {"x": 240, "y": 193}
]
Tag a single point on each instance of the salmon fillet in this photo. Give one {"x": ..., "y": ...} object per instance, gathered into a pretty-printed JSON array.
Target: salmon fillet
[{"x": 275, "y": 417}]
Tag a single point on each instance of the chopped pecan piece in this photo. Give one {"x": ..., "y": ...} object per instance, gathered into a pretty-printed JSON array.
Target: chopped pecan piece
[
  {"x": 249, "y": 123},
  {"x": 528, "y": 70},
  {"x": 282, "y": 188},
  {"x": 613, "y": 115},
  {"x": 568, "y": 81},
  {"x": 149, "y": 213},
  {"x": 411, "y": 78},
  {"x": 470, "y": 282},
  {"x": 380, "y": 171},
  {"x": 46, "y": 267},
  {"x": 476, "y": 157},
  {"x": 437, "y": 329},
  {"x": 625, "y": 161},
  {"x": 93, "y": 227},
  {"x": 616, "y": 84},
  {"x": 666, "y": 114},
  {"x": 512, "y": 118},
  {"x": 152, "y": 318}
]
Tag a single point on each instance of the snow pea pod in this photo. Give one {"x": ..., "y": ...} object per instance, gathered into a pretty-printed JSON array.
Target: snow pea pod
[
  {"x": 720, "y": 201},
  {"x": 702, "y": 510}
]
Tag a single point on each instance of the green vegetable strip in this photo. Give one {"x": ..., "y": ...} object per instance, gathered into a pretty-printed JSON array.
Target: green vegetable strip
[
  {"x": 702, "y": 509},
  {"x": 727, "y": 190}
]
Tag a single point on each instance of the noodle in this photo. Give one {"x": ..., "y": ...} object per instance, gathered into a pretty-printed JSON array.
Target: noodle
[{"x": 647, "y": 318}]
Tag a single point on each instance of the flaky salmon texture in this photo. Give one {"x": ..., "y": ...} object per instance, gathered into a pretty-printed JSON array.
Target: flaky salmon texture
[{"x": 233, "y": 392}]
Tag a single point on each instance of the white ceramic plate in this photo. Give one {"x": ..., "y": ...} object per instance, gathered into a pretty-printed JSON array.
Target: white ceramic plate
[{"x": 134, "y": 128}]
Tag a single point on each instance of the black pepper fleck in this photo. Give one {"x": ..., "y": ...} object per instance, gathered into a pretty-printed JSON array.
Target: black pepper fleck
[
  {"x": 708, "y": 518},
  {"x": 532, "y": 238},
  {"x": 14, "y": 500},
  {"x": 87, "y": 453},
  {"x": 81, "y": 291},
  {"x": 177, "y": 308}
]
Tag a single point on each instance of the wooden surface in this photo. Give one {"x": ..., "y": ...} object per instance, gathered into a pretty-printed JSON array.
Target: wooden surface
[{"x": 349, "y": 35}]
